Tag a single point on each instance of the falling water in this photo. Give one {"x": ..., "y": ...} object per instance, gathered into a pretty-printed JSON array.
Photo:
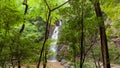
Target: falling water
[{"x": 53, "y": 45}]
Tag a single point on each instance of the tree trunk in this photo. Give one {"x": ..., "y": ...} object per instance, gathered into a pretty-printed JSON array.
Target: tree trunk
[
  {"x": 19, "y": 66},
  {"x": 82, "y": 37},
  {"x": 104, "y": 46},
  {"x": 74, "y": 56}
]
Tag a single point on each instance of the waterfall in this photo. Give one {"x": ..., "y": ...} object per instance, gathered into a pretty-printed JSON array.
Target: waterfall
[{"x": 53, "y": 45}]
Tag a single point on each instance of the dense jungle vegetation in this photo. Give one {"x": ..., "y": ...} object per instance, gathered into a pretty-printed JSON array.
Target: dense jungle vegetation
[{"x": 89, "y": 36}]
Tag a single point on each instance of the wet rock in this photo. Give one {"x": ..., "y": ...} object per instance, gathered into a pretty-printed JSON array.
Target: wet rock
[
  {"x": 66, "y": 65},
  {"x": 62, "y": 51},
  {"x": 52, "y": 27},
  {"x": 57, "y": 22},
  {"x": 63, "y": 62},
  {"x": 72, "y": 66}
]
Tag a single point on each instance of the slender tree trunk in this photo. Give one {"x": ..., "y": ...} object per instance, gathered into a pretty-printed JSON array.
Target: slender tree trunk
[
  {"x": 74, "y": 56},
  {"x": 19, "y": 65},
  {"x": 45, "y": 59},
  {"x": 47, "y": 31},
  {"x": 104, "y": 46},
  {"x": 46, "y": 37},
  {"x": 25, "y": 12},
  {"x": 82, "y": 40}
]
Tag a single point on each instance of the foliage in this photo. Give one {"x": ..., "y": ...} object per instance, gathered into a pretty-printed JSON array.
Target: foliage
[
  {"x": 9, "y": 15},
  {"x": 71, "y": 29},
  {"x": 26, "y": 45},
  {"x": 113, "y": 51},
  {"x": 14, "y": 45},
  {"x": 111, "y": 8}
]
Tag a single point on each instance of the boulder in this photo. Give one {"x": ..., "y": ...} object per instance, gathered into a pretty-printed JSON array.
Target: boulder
[
  {"x": 66, "y": 65},
  {"x": 72, "y": 66},
  {"x": 63, "y": 62}
]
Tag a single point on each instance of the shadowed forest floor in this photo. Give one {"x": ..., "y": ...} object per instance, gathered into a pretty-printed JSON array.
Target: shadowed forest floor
[
  {"x": 57, "y": 65},
  {"x": 49, "y": 65}
]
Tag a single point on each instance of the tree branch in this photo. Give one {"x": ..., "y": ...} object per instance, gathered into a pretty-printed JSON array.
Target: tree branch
[
  {"x": 46, "y": 38},
  {"x": 47, "y": 32},
  {"x": 25, "y": 12},
  {"x": 47, "y": 5},
  {"x": 60, "y": 5}
]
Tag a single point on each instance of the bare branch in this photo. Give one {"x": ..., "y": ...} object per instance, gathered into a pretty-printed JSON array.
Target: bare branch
[
  {"x": 47, "y": 5},
  {"x": 60, "y": 5}
]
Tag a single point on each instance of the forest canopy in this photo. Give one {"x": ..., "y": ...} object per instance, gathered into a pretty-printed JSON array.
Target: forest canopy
[{"x": 89, "y": 32}]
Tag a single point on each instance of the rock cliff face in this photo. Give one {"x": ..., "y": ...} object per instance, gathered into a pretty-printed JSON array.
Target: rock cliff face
[
  {"x": 112, "y": 31},
  {"x": 52, "y": 27},
  {"x": 62, "y": 50},
  {"x": 116, "y": 40}
]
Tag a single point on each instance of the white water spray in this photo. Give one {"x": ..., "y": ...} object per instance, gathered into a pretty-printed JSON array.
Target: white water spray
[{"x": 53, "y": 45}]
